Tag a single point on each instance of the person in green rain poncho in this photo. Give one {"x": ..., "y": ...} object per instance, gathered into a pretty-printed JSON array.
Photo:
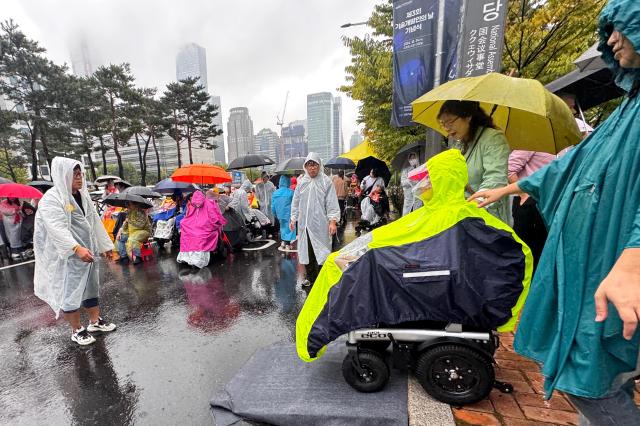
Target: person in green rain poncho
[{"x": 580, "y": 320}]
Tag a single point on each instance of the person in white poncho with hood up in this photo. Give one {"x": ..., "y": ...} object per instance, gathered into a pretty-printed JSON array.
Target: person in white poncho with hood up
[
  {"x": 68, "y": 232},
  {"x": 316, "y": 210}
]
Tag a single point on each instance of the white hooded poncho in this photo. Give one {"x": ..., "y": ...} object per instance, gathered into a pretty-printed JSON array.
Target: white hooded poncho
[
  {"x": 314, "y": 204},
  {"x": 61, "y": 279}
]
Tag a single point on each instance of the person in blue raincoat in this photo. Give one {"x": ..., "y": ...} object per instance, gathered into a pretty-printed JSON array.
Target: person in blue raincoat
[
  {"x": 580, "y": 320},
  {"x": 281, "y": 209}
]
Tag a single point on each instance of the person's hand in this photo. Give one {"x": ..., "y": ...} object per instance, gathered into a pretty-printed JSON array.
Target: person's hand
[
  {"x": 622, "y": 288},
  {"x": 333, "y": 228},
  {"x": 489, "y": 196},
  {"x": 108, "y": 254},
  {"x": 84, "y": 254},
  {"x": 292, "y": 225}
]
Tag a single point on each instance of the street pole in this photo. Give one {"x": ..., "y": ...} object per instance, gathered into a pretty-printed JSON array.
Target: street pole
[{"x": 432, "y": 138}]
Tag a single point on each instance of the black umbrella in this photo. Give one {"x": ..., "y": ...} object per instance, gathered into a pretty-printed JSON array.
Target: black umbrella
[
  {"x": 591, "y": 87},
  {"x": 366, "y": 164},
  {"x": 123, "y": 200},
  {"x": 401, "y": 157},
  {"x": 292, "y": 166},
  {"x": 41, "y": 185},
  {"x": 106, "y": 178},
  {"x": 142, "y": 191},
  {"x": 340, "y": 163},
  {"x": 591, "y": 59},
  {"x": 122, "y": 182},
  {"x": 168, "y": 186},
  {"x": 250, "y": 160}
]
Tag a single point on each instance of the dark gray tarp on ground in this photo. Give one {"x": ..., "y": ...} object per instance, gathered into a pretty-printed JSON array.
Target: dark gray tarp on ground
[{"x": 276, "y": 387}]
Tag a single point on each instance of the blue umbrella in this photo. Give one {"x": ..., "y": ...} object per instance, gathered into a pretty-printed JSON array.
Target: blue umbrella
[
  {"x": 340, "y": 163},
  {"x": 167, "y": 186}
]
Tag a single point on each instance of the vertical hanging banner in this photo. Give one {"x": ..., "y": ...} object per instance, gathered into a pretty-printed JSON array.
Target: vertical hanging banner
[
  {"x": 415, "y": 29},
  {"x": 482, "y": 37}
]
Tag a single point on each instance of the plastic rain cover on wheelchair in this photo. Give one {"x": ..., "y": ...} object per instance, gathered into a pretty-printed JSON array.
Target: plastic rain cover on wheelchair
[{"x": 448, "y": 261}]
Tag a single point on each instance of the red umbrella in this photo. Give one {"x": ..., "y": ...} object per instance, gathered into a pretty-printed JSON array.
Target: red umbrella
[
  {"x": 17, "y": 190},
  {"x": 202, "y": 174}
]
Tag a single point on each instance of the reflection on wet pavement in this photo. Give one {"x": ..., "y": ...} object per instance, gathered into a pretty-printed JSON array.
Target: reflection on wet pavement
[{"x": 181, "y": 335}]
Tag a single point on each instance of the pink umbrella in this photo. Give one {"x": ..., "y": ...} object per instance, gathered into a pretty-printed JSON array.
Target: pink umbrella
[{"x": 17, "y": 190}]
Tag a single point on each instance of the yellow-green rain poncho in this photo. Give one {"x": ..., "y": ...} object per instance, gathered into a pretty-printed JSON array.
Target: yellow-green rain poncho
[{"x": 447, "y": 261}]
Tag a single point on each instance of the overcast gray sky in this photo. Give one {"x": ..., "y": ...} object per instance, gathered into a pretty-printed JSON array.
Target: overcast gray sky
[{"x": 256, "y": 49}]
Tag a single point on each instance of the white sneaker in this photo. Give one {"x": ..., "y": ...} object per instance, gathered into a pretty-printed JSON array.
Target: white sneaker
[
  {"x": 100, "y": 325},
  {"x": 306, "y": 283},
  {"x": 282, "y": 245},
  {"x": 82, "y": 337}
]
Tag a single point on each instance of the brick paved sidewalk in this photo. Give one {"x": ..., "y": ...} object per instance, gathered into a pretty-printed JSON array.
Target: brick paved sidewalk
[{"x": 525, "y": 407}]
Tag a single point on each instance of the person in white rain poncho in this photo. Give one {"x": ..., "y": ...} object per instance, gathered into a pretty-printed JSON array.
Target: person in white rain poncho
[
  {"x": 240, "y": 201},
  {"x": 264, "y": 192},
  {"x": 68, "y": 232},
  {"x": 315, "y": 209},
  {"x": 411, "y": 203}
]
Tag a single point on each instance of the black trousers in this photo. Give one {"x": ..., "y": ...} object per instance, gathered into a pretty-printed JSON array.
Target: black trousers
[
  {"x": 313, "y": 269},
  {"x": 528, "y": 224}
]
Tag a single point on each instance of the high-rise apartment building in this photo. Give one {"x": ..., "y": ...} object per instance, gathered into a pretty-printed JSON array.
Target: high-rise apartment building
[
  {"x": 337, "y": 142},
  {"x": 356, "y": 139},
  {"x": 191, "y": 61},
  {"x": 319, "y": 119},
  {"x": 293, "y": 142},
  {"x": 218, "y": 153},
  {"x": 266, "y": 143},
  {"x": 81, "y": 62},
  {"x": 239, "y": 133}
]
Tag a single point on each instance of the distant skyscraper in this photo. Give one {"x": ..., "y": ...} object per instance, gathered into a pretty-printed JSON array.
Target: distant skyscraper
[
  {"x": 319, "y": 119},
  {"x": 356, "y": 139},
  {"x": 239, "y": 133},
  {"x": 81, "y": 63},
  {"x": 218, "y": 153},
  {"x": 266, "y": 143},
  {"x": 337, "y": 142},
  {"x": 293, "y": 142},
  {"x": 191, "y": 61}
]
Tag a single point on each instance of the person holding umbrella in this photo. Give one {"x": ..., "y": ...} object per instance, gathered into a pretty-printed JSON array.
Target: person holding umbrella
[
  {"x": 67, "y": 233},
  {"x": 581, "y": 317},
  {"x": 11, "y": 218},
  {"x": 371, "y": 181},
  {"x": 316, "y": 211},
  {"x": 484, "y": 147}
]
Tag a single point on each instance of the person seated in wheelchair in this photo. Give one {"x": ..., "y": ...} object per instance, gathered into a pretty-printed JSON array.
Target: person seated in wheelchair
[
  {"x": 375, "y": 209},
  {"x": 448, "y": 261},
  {"x": 200, "y": 231},
  {"x": 134, "y": 232}
]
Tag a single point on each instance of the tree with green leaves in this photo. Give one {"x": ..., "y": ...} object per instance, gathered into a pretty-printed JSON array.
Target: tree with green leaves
[
  {"x": 370, "y": 81},
  {"x": 190, "y": 115},
  {"x": 30, "y": 81},
  {"x": 115, "y": 84},
  {"x": 12, "y": 162},
  {"x": 543, "y": 38}
]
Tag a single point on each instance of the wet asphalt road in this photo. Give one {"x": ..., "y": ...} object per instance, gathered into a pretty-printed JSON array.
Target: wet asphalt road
[{"x": 181, "y": 336}]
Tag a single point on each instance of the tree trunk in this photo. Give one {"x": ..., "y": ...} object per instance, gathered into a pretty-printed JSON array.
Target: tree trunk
[
  {"x": 7, "y": 157},
  {"x": 88, "y": 152},
  {"x": 177, "y": 136},
  {"x": 143, "y": 168},
  {"x": 155, "y": 148},
  {"x": 114, "y": 138},
  {"x": 190, "y": 153},
  {"x": 146, "y": 150},
  {"x": 34, "y": 152},
  {"x": 103, "y": 151},
  {"x": 45, "y": 146}
]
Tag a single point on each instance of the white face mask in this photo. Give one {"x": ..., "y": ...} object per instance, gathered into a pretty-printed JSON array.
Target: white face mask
[{"x": 413, "y": 162}]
